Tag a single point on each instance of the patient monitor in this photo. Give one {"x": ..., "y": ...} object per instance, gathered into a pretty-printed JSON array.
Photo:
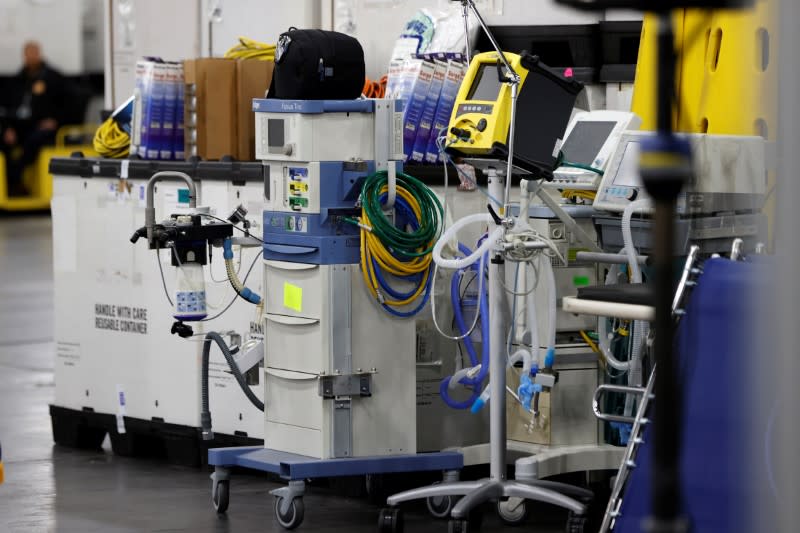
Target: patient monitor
[
  {"x": 730, "y": 175},
  {"x": 589, "y": 143}
]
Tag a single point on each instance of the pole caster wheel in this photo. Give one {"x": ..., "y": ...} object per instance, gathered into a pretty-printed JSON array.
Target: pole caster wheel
[
  {"x": 292, "y": 516},
  {"x": 576, "y": 524},
  {"x": 221, "y": 496},
  {"x": 440, "y": 506},
  {"x": 390, "y": 520},
  {"x": 513, "y": 511}
]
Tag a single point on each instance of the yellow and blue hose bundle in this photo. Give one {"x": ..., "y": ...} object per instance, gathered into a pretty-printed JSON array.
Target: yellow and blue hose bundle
[{"x": 399, "y": 250}]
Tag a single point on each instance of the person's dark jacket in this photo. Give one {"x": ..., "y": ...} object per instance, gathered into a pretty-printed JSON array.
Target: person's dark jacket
[{"x": 33, "y": 97}]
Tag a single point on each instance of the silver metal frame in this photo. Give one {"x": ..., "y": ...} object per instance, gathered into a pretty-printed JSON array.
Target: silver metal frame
[
  {"x": 496, "y": 487},
  {"x": 640, "y": 421}
]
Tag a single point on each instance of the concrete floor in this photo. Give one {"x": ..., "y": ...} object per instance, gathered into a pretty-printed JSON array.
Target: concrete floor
[{"x": 49, "y": 488}]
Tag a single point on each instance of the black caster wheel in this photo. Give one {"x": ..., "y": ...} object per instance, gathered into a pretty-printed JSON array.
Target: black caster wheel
[
  {"x": 440, "y": 506},
  {"x": 221, "y": 497},
  {"x": 377, "y": 491},
  {"x": 390, "y": 520},
  {"x": 293, "y": 517},
  {"x": 576, "y": 524},
  {"x": 513, "y": 511},
  {"x": 471, "y": 525}
]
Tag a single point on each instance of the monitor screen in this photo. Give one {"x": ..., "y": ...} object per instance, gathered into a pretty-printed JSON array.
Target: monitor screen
[
  {"x": 586, "y": 140},
  {"x": 487, "y": 85},
  {"x": 276, "y": 133},
  {"x": 628, "y": 173}
]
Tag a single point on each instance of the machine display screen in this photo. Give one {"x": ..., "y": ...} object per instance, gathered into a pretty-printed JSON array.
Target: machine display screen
[
  {"x": 628, "y": 172},
  {"x": 275, "y": 133},
  {"x": 586, "y": 140},
  {"x": 486, "y": 86}
]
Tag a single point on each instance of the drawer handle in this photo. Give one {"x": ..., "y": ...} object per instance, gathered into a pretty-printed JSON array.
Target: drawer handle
[
  {"x": 292, "y": 320},
  {"x": 291, "y": 250},
  {"x": 290, "y": 375},
  {"x": 280, "y": 265}
]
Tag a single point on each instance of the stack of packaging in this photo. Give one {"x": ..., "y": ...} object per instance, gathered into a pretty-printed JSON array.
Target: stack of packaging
[
  {"x": 157, "y": 127},
  {"x": 215, "y": 97},
  {"x": 428, "y": 85},
  {"x": 219, "y": 106}
]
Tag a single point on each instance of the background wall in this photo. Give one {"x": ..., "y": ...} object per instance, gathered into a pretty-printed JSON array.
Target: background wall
[
  {"x": 92, "y": 35},
  {"x": 205, "y": 27},
  {"x": 377, "y": 23},
  {"x": 147, "y": 28},
  {"x": 80, "y": 36},
  {"x": 56, "y": 24},
  {"x": 262, "y": 20}
]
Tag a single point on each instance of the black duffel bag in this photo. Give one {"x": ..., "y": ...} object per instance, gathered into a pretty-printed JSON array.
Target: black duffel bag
[{"x": 317, "y": 65}]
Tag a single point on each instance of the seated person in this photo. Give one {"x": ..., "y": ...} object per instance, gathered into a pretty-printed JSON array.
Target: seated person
[{"x": 37, "y": 97}]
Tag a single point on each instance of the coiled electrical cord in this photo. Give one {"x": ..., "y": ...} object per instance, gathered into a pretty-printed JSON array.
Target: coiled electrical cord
[
  {"x": 399, "y": 248},
  {"x": 375, "y": 89},
  {"x": 251, "y": 49},
  {"x": 110, "y": 140}
]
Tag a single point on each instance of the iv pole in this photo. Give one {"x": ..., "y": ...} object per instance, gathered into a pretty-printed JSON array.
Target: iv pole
[{"x": 496, "y": 487}]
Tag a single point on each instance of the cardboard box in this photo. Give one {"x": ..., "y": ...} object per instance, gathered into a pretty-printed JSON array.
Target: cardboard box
[
  {"x": 521, "y": 424},
  {"x": 566, "y": 417},
  {"x": 219, "y": 106},
  {"x": 252, "y": 81}
]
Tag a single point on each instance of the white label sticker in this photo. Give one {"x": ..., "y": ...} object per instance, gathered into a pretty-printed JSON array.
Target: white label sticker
[
  {"x": 120, "y": 410},
  {"x": 123, "y": 169},
  {"x": 398, "y": 137}
]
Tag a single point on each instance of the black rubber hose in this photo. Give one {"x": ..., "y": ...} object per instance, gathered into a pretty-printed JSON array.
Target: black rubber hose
[{"x": 205, "y": 413}]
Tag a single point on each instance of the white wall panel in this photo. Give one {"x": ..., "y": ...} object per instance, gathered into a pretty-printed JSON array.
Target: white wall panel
[
  {"x": 56, "y": 24},
  {"x": 377, "y": 23},
  {"x": 262, "y": 20}
]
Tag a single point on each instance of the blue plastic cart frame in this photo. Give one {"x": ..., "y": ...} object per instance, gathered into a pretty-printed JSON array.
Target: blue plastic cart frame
[{"x": 295, "y": 469}]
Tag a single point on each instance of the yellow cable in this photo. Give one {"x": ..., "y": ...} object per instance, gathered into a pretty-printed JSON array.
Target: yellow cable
[
  {"x": 587, "y": 195},
  {"x": 373, "y": 248},
  {"x": 111, "y": 141},
  {"x": 251, "y": 49},
  {"x": 590, "y": 342},
  {"x": 594, "y": 347}
]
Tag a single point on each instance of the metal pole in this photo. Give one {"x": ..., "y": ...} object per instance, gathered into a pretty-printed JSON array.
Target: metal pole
[
  {"x": 666, "y": 73},
  {"x": 468, "y": 47},
  {"x": 497, "y": 363},
  {"x": 492, "y": 40},
  {"x": 666, "y": 488},
  {"x": 664, "y": 185},
  {"x": 511, "y": 130},
  {"x": 497, "y": 366}
]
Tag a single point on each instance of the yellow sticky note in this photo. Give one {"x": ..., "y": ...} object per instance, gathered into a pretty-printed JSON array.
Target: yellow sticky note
[{"x": 293, "y": 297}]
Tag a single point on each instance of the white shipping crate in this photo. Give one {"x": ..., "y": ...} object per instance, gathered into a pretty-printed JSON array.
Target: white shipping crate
[{"x": 115, "y": 353}]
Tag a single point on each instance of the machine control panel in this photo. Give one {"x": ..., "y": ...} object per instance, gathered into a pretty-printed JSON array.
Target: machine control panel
[{"x": 297, "y": 189}]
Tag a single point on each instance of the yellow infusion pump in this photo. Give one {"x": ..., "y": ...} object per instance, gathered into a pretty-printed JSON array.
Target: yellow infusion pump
[{"x": 481, "y": 118}]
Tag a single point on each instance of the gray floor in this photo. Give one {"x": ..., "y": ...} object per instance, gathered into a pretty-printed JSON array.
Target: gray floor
[{"x": 49, "y": 488}]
